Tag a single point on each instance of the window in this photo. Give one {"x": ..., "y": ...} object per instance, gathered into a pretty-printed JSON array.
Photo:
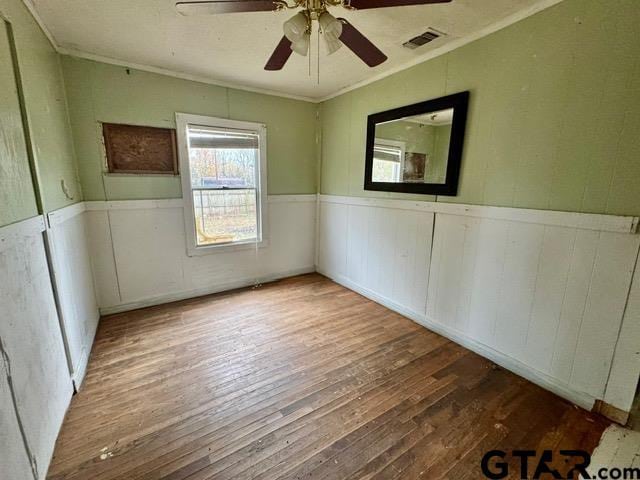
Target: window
[
  {"x": 223, "y": 182},
  {"x": 388, "y": 160}
]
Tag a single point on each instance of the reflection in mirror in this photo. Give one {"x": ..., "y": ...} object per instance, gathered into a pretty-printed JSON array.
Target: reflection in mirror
[{"x": 413, "y": 149}]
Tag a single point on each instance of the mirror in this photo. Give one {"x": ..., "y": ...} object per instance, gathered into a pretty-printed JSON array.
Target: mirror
[{"x": 417, "y": 148}]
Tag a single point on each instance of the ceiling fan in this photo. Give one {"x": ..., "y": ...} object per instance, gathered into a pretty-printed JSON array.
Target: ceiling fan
[{"x": 297, "y": 30}]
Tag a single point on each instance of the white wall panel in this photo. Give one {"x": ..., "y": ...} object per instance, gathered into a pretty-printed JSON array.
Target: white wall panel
[
  {"x": 491, "y": 238},
  {"x": 517, "y": 287},
  {"x": 412, "y": 258},
  {"x": 148, "y": 246},
  {"x": 292, "y": 236},
  {"x": 384, "y": 251},
  {"x": 357, "y": 236},
  {"x": 74, "y": 283},
  {"x": 32, "y": 340},
  {"x": 623, "y": 380},
  {"x": 102, "y": 258},
  {"x": 544, "y": 299},
  {"x": 381, "y": 248},
  {"x": 334, "y": 239},
  {"x": 140, "y": 256},
  {"x": 574, "y": 301},
  {"x": 549, "y": 297},
  {"x": 608, "y": 292},
  {"x": 15, "y": 462},
  {"x": 551, "y": 281}
]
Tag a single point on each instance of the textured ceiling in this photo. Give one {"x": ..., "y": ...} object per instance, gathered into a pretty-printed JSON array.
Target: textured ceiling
[{"x": 233, "y": 48}]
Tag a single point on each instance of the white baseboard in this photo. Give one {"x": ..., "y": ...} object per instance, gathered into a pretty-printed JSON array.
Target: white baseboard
[
  {"x": 581, "y": 399},
  {"x": 81, "y": 370},
  {"x": 162, "y": 299}
]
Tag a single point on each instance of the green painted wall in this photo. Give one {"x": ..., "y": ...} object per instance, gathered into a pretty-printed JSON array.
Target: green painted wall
[
  {"x": 442, "y": 135},
  {"x": 98, "y": 92},
  {"x": 17, "y": 198},
  {"x": 46, "y": 108},
  {"x": 554, "y": 120}
]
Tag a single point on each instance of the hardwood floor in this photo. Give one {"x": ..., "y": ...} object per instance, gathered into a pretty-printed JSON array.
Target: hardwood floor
[{"x": 300, "y": 378}]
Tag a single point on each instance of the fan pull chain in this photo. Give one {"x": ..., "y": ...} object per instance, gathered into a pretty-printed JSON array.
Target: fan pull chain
[{"x": 318, "y": 50}]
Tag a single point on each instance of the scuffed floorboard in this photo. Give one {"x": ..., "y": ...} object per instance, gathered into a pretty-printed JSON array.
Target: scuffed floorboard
[{"x": 299, "y": 379}]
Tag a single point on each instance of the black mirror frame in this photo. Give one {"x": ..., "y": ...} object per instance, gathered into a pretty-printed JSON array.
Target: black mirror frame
[{"x": 460, "y": 104}]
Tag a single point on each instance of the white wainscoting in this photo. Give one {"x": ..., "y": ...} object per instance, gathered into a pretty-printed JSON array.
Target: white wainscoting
[
  {"x": 139, "y": 258},
  {"x": 33, "y": 347},
  {"x": 623, "y": 380},
  {"x": 15, "y": 462},
  {"x": 384, "y": 252},
  {"x": 541, "y": 293},
  {"x": 71, "y": 262},
  {"x": 550, "y": 297}
]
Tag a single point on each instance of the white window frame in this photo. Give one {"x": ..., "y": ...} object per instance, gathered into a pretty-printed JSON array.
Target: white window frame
[
  {"x": 183, "y": 120},
  {"x": 394, "y": 143}
]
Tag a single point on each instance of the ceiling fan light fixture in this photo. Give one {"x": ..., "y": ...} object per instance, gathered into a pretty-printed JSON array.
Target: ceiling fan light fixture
[
  {"x": 330, "y": 25},
  {"x": 301, "y": 46},
  {"x": 297, "y": 27},
  {"x": 332, "y": 42}
]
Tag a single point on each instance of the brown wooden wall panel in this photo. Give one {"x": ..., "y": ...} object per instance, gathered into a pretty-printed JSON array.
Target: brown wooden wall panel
[{"x": 143, "y": 150}]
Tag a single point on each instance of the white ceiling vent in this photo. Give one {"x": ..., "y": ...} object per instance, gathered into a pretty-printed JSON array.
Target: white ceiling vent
[{"x": 429, "y": 36}]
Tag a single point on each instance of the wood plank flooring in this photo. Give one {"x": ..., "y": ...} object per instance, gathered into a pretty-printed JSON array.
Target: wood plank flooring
[{"x": 300, "y": 378}]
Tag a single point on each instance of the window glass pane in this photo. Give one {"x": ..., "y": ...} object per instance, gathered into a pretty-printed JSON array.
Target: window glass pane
[
  {"x": 222, "y": 158},
  {"x": 225, "y": 216},
  {"x": 385, "y": 171}
]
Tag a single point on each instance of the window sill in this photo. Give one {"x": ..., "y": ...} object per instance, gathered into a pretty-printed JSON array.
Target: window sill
[
  {"x": 233, "y": 247},
  {"x": 140, "y": 174}
]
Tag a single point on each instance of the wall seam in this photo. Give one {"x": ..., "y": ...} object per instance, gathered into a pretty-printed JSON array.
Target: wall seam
[
  {"x": 113, "y": 254},
  {"x": 584, "y": 306},
  {"x": 14, "y": 401},
  {"x": 564, "y": 297},
  {"x": 33, "y": 167},
  {"x": 624, "y": 312},
  {"x": 36, "y": 182},
  {"x": 70, "y": 138}
]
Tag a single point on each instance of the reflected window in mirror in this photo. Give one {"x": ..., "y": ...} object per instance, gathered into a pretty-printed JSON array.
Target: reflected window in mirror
[
  {"x": 417, "y": 149},
  {"x": 388, "y": 160}
]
